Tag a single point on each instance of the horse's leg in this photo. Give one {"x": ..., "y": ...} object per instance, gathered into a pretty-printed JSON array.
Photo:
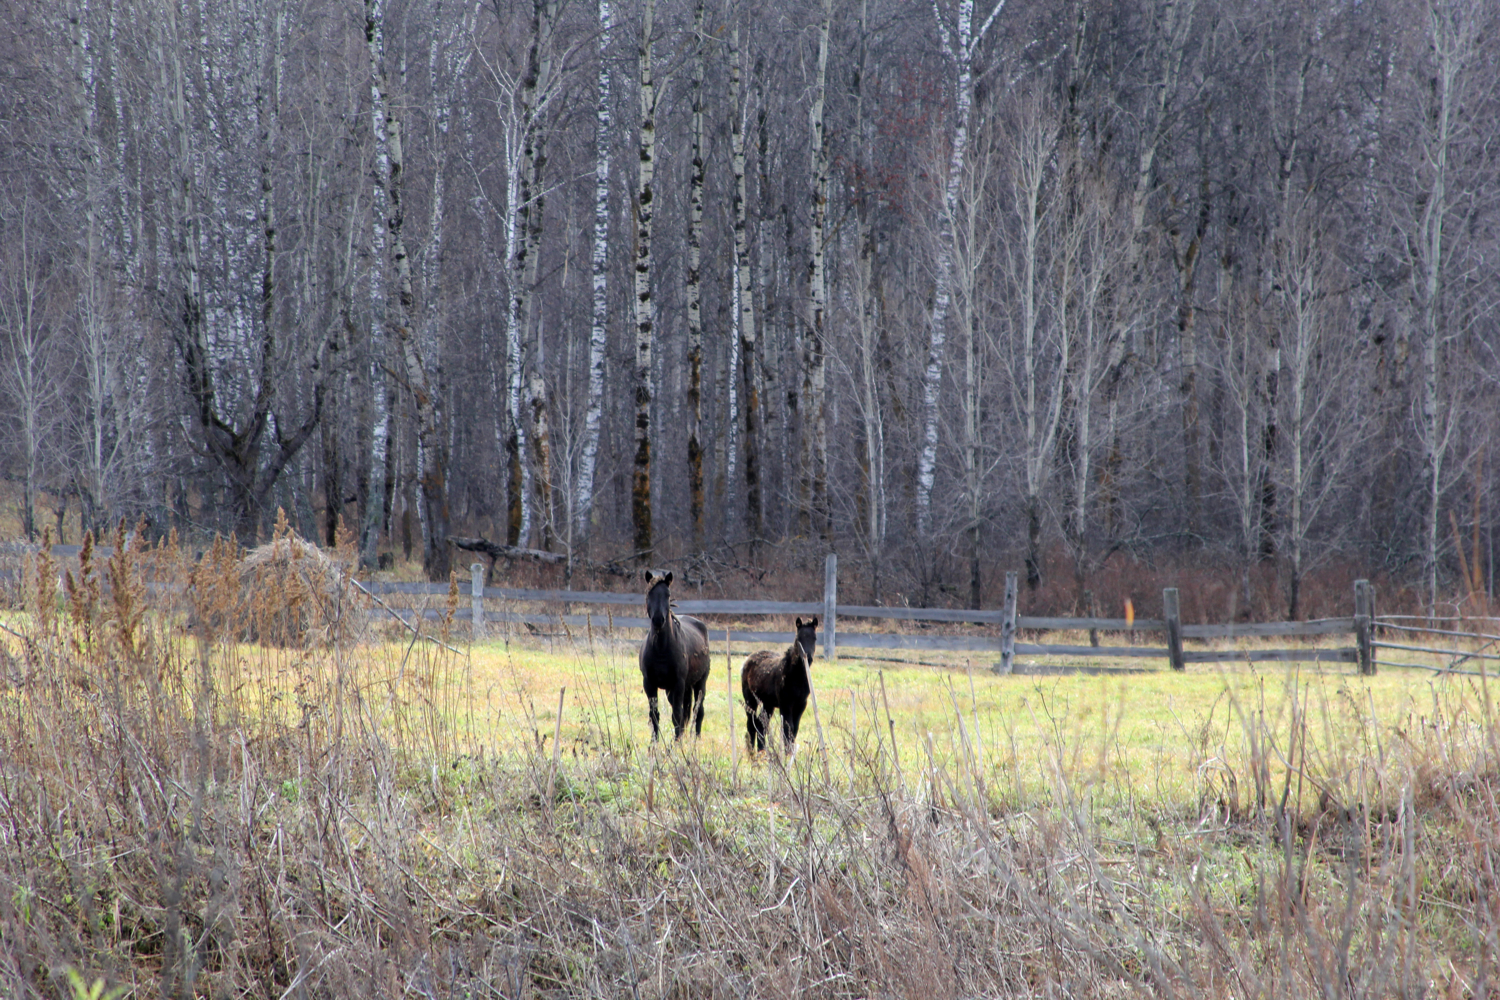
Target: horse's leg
[
  {"x": 681, "y": 707},
  {"x": 655, "y": 714},
  {"x": 699, "y": 697},
  {"x": 790, "y": 722},
  {"x": 756, "y": 718}
]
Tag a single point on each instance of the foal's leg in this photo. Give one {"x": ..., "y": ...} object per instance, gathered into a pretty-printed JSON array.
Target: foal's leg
[
  {"x": 790, "y": 722},
  {"x": 756, "y": 718}
]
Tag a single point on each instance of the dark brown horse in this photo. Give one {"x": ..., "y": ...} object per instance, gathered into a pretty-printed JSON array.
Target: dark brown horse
[
  {"x": 771, "y": 681},
  {"x": 674, "y": 657}
]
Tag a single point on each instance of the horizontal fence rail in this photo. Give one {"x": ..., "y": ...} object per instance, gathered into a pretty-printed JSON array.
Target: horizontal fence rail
[
  {"x": 576, "y": 614},
  {"x": 1368, "y": 631}
]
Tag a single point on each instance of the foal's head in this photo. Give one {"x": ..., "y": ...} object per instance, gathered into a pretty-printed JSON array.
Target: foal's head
[
  {"x": 658, "y": 598},
  {"x": 807, "y": 637}
]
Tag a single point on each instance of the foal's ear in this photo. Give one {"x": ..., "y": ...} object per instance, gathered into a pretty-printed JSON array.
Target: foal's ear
[
  {"x": 799, "y": 623},
  {"x": 650, "y": 579},
  {"x": 812, "y": 622},
  {"x": 668, "y": 577}
]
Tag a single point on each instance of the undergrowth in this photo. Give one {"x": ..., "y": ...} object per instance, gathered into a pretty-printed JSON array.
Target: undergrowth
[{"x": 190, "y": 806}]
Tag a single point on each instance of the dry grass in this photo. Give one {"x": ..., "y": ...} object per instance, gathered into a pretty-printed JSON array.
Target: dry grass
[{"x": 183, "y": 814}]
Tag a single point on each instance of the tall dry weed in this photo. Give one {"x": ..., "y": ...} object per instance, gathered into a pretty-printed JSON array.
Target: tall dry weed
[{"x": 186, "y": 814}]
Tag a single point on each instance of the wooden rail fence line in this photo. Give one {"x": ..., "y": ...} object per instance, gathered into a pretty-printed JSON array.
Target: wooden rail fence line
[
  {"x": 1362, "y": 626},
  {"x": 1359, "y": 626}
]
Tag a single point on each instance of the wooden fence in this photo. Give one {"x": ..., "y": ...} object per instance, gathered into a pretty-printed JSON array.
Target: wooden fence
[
  {"x": 1370, "y": 635},
  {"x": 1358, "y": 626}
]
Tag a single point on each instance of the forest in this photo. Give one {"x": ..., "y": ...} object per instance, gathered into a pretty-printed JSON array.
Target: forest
[{"x": 947, "y": 288}]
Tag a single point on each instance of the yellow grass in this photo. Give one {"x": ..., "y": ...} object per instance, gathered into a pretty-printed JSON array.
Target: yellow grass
[{"x": 1131, "y": 730}]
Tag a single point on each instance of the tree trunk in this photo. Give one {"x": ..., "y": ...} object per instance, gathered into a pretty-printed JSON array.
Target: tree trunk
[
  {"x": 695, "y": 293},
  {"x": 528, "y": 449},
  {"x": 815, "y": 377},
  {"x": 599, "y": 331},
  {"x": 640, "y": 490},
  {"x": 744, "y": 293},
  {"x": 960, "y": 48},
  {"x": 236, "y": 444},
  {"x": 431, "y": 444},
  {"x": 534, "y": 95}
]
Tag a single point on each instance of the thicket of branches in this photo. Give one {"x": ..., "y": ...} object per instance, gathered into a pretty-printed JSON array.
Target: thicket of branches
[{"x": 935, "y": 287}]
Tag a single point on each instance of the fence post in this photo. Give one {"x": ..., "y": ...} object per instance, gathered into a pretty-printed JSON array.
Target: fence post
[
  {"x": 1364, "y": 614},
  {"x": 1008, "y": 627},
  {"x": 830, "y": 606},
  {"x": 476, "y": 589},
  {"x": 1172, "y": 612}
]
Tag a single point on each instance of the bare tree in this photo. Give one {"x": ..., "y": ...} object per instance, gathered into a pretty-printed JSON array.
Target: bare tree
[
  {"x": 599, "y": 329},
  {"x": 1436, "y": 213},
  {"x": 814, "y": 461},
  {"x": 744, "y": 296},
  {"x": 1039, "y": 349},
  {"x": 234, "y": 362},
  {"x": 960, "y": 45},
  {"x": 695, "y": 288},
  {"x": 645, "y": 208},
  {"x": 26, "y": 271},
  {"x": 1322, "y": 429}
]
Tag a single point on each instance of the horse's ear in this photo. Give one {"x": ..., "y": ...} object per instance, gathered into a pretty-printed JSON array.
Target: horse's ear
[
  {"x": 799, "y": 622},
  {"x": 813, "y": 622},
  {"x": 668, "y": 577},
  {"x": 649, "y": 579}
]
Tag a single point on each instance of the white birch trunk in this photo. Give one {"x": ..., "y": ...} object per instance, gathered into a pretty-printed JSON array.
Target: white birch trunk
[
  {"x": 960, "y": 49},
  {"x": 1450, "y": 31},
  {"x": 372, "y": 524},
  {"x": 695, "y": 292},
  {"x": 534, "y": 97},
  {"x": 640, "y": 491},
  {"x": 815, "y": 377},
  {"x": 431, "y": 448},
  {"x": 732, "y": 396},
  {"x": 744, "y": 295},
  {"x": 599, "y": 330}
]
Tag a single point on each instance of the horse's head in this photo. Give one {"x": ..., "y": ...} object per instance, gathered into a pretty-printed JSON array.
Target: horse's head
[
  {"x": 807, "y": 636},
  {"x": 658, "y": 598}
]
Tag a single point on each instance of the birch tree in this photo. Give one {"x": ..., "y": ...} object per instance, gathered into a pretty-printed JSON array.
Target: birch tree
[
  {"x": 865, "y": 295},
  {"x": 234, "y": 363},
  {"x": 815, "y": 349},
  {"x": 599, "y": 329},
  {"x": 960, "y": 46},
  {"x": 1039, "y": 354},
  {"x": 1321, "y": 428},
  {"x": 645, "y": 207},
  {"x": 431, "y": 440},
  {"x": 744, "y": 296},
  {"x": 1438, "y": 211},
  {"x": 540, "y": 84},
  {"x": 695, "y": 288},
  {"x": 372, "y": 518},
  {"x": 30, "y": 344},
  {"x": 525, "y": 102}
]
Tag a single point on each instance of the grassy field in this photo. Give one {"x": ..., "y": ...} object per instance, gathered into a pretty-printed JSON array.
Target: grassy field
[
  {"x": 1124, "y": 728},
  {"x": 185, "y": 812}
]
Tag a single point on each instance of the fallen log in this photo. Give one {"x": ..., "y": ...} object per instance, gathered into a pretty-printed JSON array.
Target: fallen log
[{"x": 496, "y": 552}]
